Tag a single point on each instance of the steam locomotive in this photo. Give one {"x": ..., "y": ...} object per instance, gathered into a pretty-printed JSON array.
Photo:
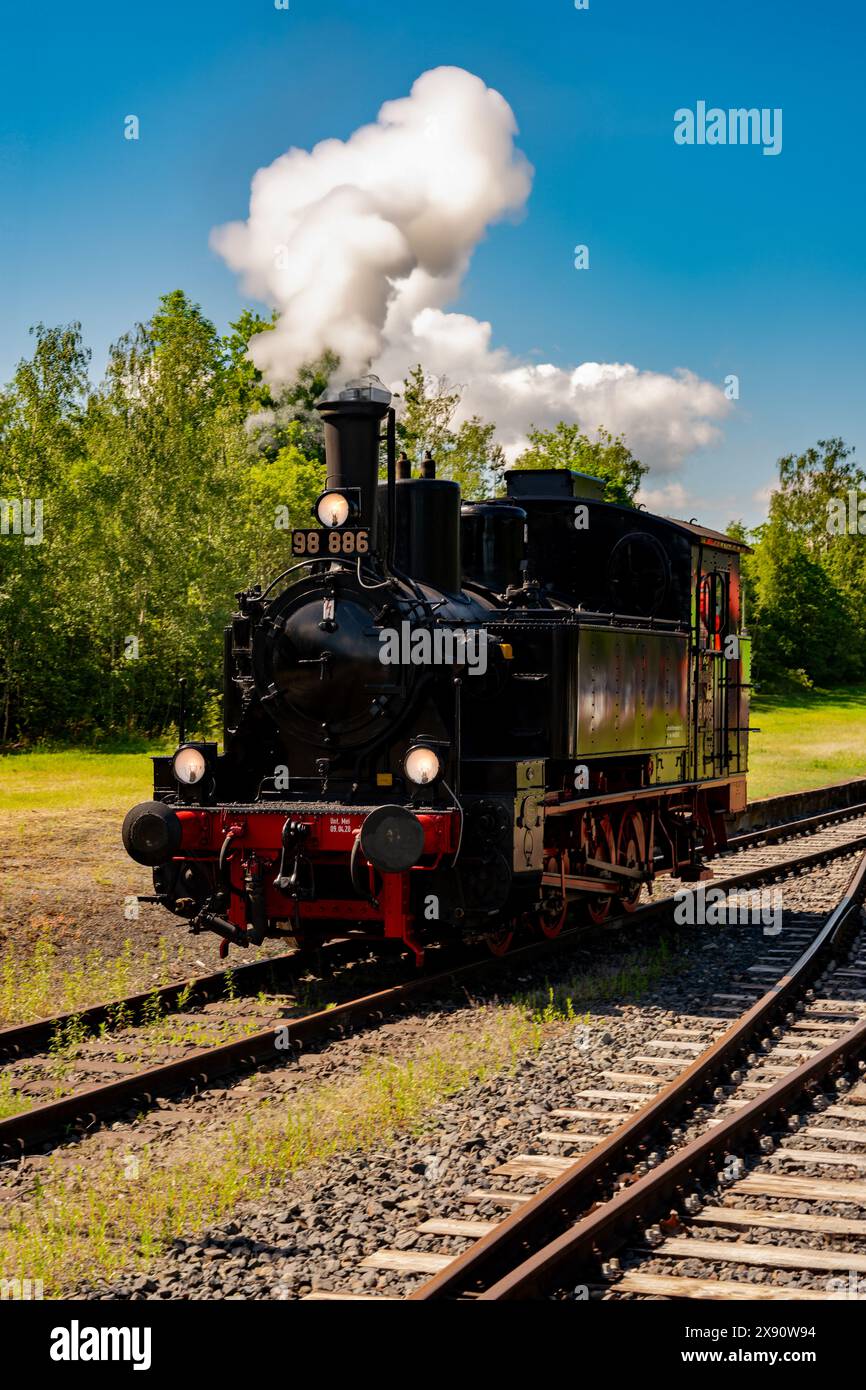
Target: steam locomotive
[{"x": 447, "y": 720}]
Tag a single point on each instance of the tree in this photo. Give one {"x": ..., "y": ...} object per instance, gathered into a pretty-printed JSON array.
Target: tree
[
  {"x": 244, "y": 386},
  {"x": 805, "y": 583},
  {"x": 290, "y": 419},
  {"x": 156, "y": 511},
  {"x": 607, "y": 457},
  {"x": 469, "y": 454},
  {"x": 809, "y": 483},
  {"x": 41, "y": 453},
  {"x": 804, "y": 620}
]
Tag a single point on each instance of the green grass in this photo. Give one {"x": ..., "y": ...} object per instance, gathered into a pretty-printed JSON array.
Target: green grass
[
  {"x": 37, "y": 983},
  {"x": 10, "y": 1101},
  {"x": 807, "y": 739},
  {"x": 107, "y": 1217},
  {"x": 74, "y": 779},
  {"x": 567, "y": 1001}
]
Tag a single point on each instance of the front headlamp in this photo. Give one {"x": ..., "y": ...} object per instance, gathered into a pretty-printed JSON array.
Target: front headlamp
[
  {"x": 421, "y": 765},
  {"x": 333, "y": 509},
  {"x": 189, "y": 765}
]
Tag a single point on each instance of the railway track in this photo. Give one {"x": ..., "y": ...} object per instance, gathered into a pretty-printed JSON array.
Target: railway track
[
  {"x": 79, "y": 1112},
  {"x": 792, "y": 829},
  {"x": 18, "y": 1040},
  {"x": 675, "y": 1198}
]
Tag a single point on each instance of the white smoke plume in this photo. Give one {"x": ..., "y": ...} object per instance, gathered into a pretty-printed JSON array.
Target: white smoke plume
[{"x": 360, "y": 245}]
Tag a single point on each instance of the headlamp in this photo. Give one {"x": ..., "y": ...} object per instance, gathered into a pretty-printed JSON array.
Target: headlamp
[
  {"x": 189, "y": 765},
  {"x": 421, "y": 765},
  {"x": 333, "y": 509}
]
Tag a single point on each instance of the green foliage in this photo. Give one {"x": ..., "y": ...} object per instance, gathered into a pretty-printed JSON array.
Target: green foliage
[
  {"x": 243, "y": 385},
  {"x": 290, "y": 420},
  {"x": 804, "y": 584},
  {"x": 158, "y": 505},
  {"x": 171, "y": 484},
  {"x": 607, "y": 457},
  {"x": 468, "y": 454}
]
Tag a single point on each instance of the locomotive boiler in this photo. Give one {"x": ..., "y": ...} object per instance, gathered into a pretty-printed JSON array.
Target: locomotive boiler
[{"x": 456, "y": 720}]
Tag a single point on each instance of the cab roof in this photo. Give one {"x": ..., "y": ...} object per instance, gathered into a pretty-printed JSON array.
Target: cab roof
[{"x": 704, "y": 533}]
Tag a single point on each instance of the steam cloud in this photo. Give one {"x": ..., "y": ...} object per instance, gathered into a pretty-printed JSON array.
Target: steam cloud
[{"x": 360, "y": 245}]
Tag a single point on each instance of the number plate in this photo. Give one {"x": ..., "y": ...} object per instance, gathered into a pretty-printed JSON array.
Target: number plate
[{"x": 348, "y": 541}]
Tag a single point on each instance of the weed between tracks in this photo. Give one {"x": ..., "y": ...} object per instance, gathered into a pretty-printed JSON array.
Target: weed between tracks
[
  {"x": 32, "y": 986},
  {"x": 96, "y": 1219},
  {"x": 29, "y": 990},
  {"x": 91, "y": 1222},
  {"x": 567, "y": 1000},
  {"x": 10, "y": 1102},
  {"x": 173, "y": 1031}
]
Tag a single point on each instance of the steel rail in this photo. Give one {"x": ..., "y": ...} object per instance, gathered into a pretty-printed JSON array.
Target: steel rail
[
  {"x": 606, "y": 1229},
  {"x": 45, "y": 1122},
  {"x": 526, "y": 1251},
  {"x": 803, "y": 825},
  {"x": 207, "y": 1065},
  {"x": 20, "y": 1038}
]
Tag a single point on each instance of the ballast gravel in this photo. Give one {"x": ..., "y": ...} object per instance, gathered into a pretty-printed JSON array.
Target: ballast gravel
[{"x": 312, "y": 1233}]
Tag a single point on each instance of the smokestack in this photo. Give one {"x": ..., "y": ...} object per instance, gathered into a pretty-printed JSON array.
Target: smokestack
[{"x": 351, "y": 419}]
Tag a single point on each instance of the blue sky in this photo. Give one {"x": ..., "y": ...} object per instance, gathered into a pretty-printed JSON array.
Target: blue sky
[{"x": 719, "y": 260}]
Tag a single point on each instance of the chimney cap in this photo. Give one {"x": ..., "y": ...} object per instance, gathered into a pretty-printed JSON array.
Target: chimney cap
[{"x": 360, "y": 388}]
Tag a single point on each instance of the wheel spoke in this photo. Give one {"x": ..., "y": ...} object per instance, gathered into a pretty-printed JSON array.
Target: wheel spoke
[
  {"x": 600, "y": 844},
  {"x": 630, "y": 843},
  {"x": 550, "y": 916}
]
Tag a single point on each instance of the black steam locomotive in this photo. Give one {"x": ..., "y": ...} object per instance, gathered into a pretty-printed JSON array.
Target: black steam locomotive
[{"x": 452, "y": 721}]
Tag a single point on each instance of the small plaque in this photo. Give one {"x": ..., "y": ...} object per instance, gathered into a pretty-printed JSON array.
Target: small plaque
[{"x": 319, "y": 544}]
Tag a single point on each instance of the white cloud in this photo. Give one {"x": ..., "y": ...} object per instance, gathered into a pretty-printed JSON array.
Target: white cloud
[
  {"x": 765, "y": 491},
  {"x": 672, "y": 499},
  {"x": 663, "y": 417},
  {"x": 362, "y": 244}
]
